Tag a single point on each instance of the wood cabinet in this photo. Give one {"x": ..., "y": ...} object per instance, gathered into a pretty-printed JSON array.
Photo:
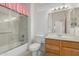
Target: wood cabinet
[
  {"x": 52, "y": 47},
  {"x": 55, "y": 47}
]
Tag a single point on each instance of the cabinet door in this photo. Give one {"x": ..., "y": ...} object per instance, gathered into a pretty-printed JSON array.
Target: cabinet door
[
  {"x": 69, "y": 52},
  {"x": 65, "y": 51},
  {"x": 52, "y": 49}
]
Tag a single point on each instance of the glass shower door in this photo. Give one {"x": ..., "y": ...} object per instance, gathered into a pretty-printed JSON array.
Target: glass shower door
[
  {"x": 19, "y": 29},
  {"x": 13, "y": 29},
  {"x": 5, "y": 33}
]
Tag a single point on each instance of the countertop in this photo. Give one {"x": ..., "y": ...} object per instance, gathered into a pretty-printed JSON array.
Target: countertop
[{"x": 63, "y": 37}]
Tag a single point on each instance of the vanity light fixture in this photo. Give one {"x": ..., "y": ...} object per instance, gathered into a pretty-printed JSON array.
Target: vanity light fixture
[
  {"x": 63, "y": 7},
  {"x": 60, "y": 8}
]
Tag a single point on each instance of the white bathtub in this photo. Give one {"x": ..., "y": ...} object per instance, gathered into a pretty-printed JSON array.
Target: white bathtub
[{"x": 19, "y": 51}]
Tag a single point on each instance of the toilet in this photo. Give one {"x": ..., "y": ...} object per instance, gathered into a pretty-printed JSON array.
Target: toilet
[
  {"x": 34, "y": 48},
  {"x": 36, "y": 45}
]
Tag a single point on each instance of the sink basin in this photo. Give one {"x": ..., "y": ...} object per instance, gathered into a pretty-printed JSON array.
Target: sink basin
[{"x": 68, "y": 36}]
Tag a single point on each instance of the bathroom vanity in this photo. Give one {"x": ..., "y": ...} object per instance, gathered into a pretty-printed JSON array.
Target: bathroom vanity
[
  {"x": 56, "y": 45},
  {"x": 63, "y": 36}
]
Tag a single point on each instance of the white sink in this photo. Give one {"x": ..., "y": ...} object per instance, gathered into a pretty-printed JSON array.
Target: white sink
[{"x": 68, "y": 36}]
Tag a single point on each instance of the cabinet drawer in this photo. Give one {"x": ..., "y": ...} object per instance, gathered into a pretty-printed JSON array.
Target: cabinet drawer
[
  {"x": 52, "y": 41},
  {"x": 52, "y": 49},
  {"x": 65, "y": 52},
  {"x": 70, "y": 44}
]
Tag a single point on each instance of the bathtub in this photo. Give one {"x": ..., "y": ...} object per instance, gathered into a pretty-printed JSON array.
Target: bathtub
[
  {"x": 9, "y": 46},
  {"x": 18, "y": 51}
]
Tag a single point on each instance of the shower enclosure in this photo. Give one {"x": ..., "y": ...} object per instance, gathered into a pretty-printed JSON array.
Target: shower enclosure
[{"x": 13, "y": 29}]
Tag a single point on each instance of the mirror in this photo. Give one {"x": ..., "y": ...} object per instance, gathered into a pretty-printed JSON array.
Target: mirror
[
  {"x": 74, "y": 21},
  {"x": 64, "y": 22}
]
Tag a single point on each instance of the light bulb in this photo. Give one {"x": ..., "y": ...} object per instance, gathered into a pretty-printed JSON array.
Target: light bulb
[
  {"x": 61, "y": 7},
  {"x": 56, "y": 8},
  {"x": 66, "y": 6},
  {"x": 52, "y": 8}
]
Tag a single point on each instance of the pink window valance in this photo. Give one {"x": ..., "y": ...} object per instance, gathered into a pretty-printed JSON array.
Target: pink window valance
[{"x": 16, "y": 7}]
